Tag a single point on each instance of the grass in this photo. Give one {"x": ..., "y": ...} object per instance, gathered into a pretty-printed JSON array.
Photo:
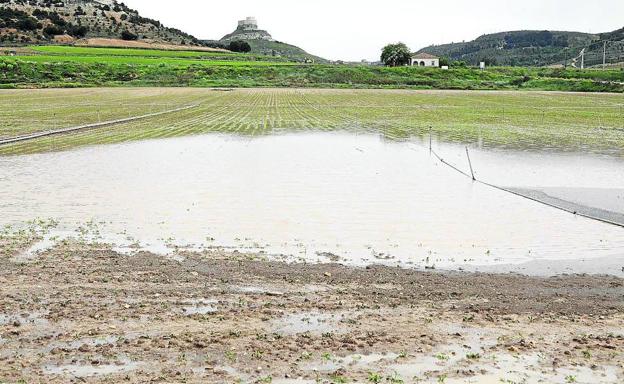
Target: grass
[
  {"x": 517, "y": 120},
  {"x": 63, "y": 66},
  {"x": 63, "y": 50},
  {"x": 144, "y": 61}
]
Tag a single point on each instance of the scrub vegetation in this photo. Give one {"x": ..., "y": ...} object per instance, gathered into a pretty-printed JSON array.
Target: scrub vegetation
[{"x": 521, "y": 120}]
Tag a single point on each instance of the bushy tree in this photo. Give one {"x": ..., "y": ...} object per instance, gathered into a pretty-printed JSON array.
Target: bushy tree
[
  {"x": 127, "y": 35},
  {"x": 394, "y": 55},
  {"x": 53, "y": 30},
  {"x": 239, "y": 46}
]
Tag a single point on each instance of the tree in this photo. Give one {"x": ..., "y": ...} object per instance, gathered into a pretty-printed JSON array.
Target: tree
[
  {"x": 394, "y": 55},
  {"x": 77, "y": 30},
  {"x": 239, "y": 46},
  {"x": 127, "y": 35},
  {"x": 53, "y": 30}
]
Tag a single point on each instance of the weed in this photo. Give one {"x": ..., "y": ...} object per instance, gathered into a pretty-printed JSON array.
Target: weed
[
  {"x": 374, "y": 377},
  {"x": 231, "y": 356},
  {"x": 442, "y": 357}
]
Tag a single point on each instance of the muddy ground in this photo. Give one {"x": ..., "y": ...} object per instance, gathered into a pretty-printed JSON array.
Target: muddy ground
[{"x": 80, "y": 313}]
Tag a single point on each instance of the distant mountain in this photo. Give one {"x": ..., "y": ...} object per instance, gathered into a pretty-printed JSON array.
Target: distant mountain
[
  {"x": 64, "y": 21},
  {"x": 262, "y": 42},
  {"x": 534, "y": 48}
]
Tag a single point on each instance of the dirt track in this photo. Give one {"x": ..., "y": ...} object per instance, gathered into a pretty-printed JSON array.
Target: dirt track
[{"x": 91, "y": 315}]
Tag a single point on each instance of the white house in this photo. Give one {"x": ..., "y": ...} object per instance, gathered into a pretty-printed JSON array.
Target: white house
[{"x": 425, "y": 60}]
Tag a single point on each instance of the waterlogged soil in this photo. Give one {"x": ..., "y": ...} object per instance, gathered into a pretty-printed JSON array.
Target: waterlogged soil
[{"x": 84, "y": 313}]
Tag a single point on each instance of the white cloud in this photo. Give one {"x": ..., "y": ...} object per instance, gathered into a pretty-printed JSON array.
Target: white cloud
[{"x": 357, "y": 29}]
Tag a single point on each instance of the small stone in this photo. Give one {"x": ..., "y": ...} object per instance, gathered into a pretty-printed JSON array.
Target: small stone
[{"x": 327, "y": 274}]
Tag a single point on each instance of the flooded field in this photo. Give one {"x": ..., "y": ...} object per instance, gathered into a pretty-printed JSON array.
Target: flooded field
[
  {"x": 153, "y": 251},
  {"x": 328, "y": 197}
]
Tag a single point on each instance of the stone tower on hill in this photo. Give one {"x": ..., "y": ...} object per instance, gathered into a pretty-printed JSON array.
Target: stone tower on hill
[
  {"x": 249, "y": 24},
  {"x": 248, "y": 30}
]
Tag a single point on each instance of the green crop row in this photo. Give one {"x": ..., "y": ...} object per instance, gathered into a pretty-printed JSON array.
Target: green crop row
[{"x": 520, "y": 120}]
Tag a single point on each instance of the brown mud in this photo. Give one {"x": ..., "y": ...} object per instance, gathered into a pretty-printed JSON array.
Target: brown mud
[{"x": 82, "y": 313}]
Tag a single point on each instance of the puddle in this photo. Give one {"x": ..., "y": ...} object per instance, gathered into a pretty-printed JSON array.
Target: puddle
[
  {"x": 78, "y": 370},
  {"x": 311, "y": 322},
  {"x": 357, "y": 198},
  {"x": 35, "y": 319},
  {"x": 368, "y": 360},
  {"x": 33, "y": 251},
  {"x": 470, "y": 343},
  {"x": 256, "y": 290},
  {"x": 527, "y": 369},
  {"x": 92, "y": 342},
  {"x": 200, "y": 307},
  {"x": 470, "y": 353}
]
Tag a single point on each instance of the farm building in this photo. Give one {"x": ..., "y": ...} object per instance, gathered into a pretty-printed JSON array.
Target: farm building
[{"x": 425, "y": 60}]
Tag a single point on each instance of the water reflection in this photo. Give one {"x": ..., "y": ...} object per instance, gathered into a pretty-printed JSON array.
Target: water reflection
[{"x": 361, "y": 198}]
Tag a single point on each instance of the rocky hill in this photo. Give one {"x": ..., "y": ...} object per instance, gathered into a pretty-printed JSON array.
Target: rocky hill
[
  {"x": 534, "y": 48},
  {"x": 263, "y": 43},
  {"x": 64, "y": 21}
]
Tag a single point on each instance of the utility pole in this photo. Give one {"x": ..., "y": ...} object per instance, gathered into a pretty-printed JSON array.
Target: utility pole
[
  {"x": 565, "y": 63},
  {"x": 604, "y": 56},
  {"x": 583, "y": 59}
]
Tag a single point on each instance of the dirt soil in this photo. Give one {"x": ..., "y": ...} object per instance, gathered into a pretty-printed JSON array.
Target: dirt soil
[
  {"x": 118, "y": 43},
  {"x": 80, "y": 313}
]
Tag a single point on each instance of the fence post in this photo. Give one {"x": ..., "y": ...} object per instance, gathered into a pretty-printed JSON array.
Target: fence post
[
  {"x": 430, "y": 141},
  {"x": 470, "y": 163}
]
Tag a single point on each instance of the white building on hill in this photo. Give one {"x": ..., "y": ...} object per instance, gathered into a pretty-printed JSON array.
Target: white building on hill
[{"x": 425, "y": 60}]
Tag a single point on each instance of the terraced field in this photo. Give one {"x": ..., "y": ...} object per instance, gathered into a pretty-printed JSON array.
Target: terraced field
[{"x": 522, "y": 120}]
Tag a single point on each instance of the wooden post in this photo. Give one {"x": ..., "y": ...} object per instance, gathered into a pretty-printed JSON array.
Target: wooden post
[
  {"x": 470, "y": 163},
  {"x": 430, "y": 142}
]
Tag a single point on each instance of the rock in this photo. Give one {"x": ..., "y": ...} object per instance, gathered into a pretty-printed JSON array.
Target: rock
[
  {"x": 327, "y": 274},
  {"x": 56, "y": 351},
  {"x": 84, "y": 348}
]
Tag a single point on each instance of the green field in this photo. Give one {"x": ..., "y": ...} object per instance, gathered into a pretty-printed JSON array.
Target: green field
[
  {"x": 59, "y": 66},
  {"x": 62, "y": 50},
  {"x": 520, "y": 120}
]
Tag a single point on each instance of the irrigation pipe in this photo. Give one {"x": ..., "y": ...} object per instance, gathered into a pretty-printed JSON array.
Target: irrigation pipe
[
  {"x": 517, "y": 193},
  {"x": 90, "y": 126}
]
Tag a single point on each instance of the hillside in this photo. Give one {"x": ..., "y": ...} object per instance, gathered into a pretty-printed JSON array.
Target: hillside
[
  {"x": 534, "y": 48},
  {"x": 262, "y": 43},
  {"x": 44, "y": 21}
]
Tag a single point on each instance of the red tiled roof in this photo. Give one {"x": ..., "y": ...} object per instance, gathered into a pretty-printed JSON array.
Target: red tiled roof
[{"x": 424, "y": 56}]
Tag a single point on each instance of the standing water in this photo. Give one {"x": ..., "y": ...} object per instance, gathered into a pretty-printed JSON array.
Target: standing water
[{"x": 325, "y": 197}]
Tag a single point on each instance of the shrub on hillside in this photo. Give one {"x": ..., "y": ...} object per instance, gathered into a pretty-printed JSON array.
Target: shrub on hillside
[
  {"x": 239, "y": 46},
  {"x": 127, "y": 35}
]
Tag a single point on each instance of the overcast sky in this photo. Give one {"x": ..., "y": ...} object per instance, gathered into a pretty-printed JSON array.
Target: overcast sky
[{"x": 358, "y": 29}]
